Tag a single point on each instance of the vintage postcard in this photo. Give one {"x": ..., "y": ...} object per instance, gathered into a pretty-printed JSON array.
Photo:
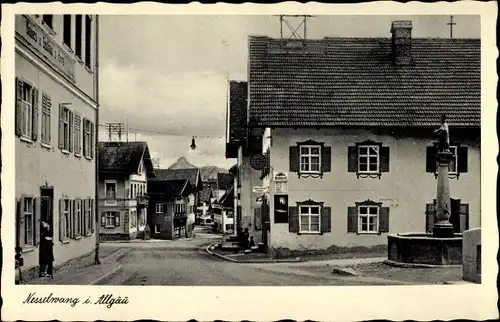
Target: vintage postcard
[{"x": 249, "y": 162}]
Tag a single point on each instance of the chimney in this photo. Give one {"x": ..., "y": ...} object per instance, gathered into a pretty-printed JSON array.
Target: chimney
[{"x": 401, "y": 42}]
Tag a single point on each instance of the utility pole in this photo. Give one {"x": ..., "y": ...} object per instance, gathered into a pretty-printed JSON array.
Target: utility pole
[
  {"x": 451, "y": 24},
  {"x": 294, "y": 32}
]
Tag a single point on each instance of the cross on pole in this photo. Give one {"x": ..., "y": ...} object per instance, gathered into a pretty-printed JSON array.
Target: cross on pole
[{"x": 451, "y": 24}]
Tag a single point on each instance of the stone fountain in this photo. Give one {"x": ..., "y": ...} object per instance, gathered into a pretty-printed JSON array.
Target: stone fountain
[{"x": 442, "y": 246}]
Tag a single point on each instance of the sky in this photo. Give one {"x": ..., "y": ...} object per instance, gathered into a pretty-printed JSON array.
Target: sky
[{"x": 165, "y": 76}]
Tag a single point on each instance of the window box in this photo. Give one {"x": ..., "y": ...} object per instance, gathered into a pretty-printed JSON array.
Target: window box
[
  {"x": 309, "y": 217},
  {"x": 368, "y": 159},
  {"x": 368, "y": 217},
  {"x": 310, "y": 159}
]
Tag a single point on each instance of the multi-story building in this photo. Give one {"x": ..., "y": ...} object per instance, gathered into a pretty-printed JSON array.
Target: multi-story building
[
  {"x": 124, "y": 168},
  {"x": 347, "y": 125},
  {"x": 55, "y": 113}
]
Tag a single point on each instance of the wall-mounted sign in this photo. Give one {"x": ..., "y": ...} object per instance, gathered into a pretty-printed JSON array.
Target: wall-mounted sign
[
  {"x": 280, "y": 182},
  {"x": 258, "y": 189},
  {"x": 258, "y": 161},
  {"x": 281, "y": 208},
  {"x": 259, "y": 200},
  {"x": 280, "y": 176}
]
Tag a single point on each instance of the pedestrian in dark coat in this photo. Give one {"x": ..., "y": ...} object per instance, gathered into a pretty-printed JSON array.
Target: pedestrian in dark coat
[{"x": 46, "y": 250}]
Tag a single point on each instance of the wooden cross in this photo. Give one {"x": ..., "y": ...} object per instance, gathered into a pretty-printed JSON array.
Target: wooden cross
[{"x": 451, "y": 24}]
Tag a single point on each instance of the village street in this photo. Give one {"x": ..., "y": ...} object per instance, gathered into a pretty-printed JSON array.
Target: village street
[{"x": 186, "y": 263}]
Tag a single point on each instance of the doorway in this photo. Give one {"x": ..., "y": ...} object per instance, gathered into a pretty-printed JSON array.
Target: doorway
[{"x": 46, "y": 209}]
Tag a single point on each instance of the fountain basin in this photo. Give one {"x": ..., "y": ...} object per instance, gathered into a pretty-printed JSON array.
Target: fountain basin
[{"x": 417, "y": 249}]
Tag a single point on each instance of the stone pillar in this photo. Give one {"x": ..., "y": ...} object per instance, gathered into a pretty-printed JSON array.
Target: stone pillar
[{"x": 442, "y": 225}]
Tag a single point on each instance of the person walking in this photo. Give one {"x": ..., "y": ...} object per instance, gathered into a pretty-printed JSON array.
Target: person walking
[{"x": 46, "y": 250}]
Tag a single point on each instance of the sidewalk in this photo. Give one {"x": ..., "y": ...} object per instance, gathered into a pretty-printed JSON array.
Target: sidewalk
[{"x": 85, "y": 275}]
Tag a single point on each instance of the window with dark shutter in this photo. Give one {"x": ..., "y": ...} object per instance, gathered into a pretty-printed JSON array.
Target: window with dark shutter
[
  {"x": 463, "y": 161},
  {"x": 368, "y": 159},
  {"x": 457, "y": 165},
  {"x": 368, "y": 217},
  {"x": 464, "y": 217},
  {"x": 293, "y": 219},
  {"x": 384, "y": 220},
  {"x": 67, "y": 30},
  {"x": 326, "y": 219},
  {"x": 19, "y": 107},
  {"x": 36, "y": 109},
  {"x": 78, "y": 35},
  {"x": 88, "y": 41},
  {"x": 310, "y": 159},
  {"x": 352, "y": 219}
]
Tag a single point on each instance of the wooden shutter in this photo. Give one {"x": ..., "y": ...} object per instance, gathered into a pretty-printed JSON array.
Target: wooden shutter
[
  {"x": 352, "y": 159},
  {"x": 430, "y": 164},
  {"x": 430, "y": 212},
  {"x": 36, "y": 221},
  {"x": 384, "y": 159},
  {"x": 463, "y": 157},
  {"x": 74, "y": 219},
  {"x": 20, "y": 220},
  {"x": 326, "y": 159},
  {"x": 19, "y": 111},
  {"x": 77, "y": 133},
  {"x": 71, "y": 131},
  {"x": 92, "y": 215},
  {"x": 92, "y": 143},
  {"x": 61, "y": 126},
  {"x": 117, "y": 219},
  {"x": 103, "y": 218},
  {"x": 294, "y": 159},
  {"x": 293, "y": 219},
  {"x": 464, "y": 217},
  {"x": 326, "y": 219},
  {"x": 36, "y": 109},
  {"x": 62, "y": 226},
  {"x": 383, "y": 220},
  {"x": 352, "y": 219},
  {"x": 257, "y": 218},
  {"x": 84, "y": 216}
]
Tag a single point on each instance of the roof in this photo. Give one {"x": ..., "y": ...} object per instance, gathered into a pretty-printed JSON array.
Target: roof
[
  {"x": 224, "y": 181},
  {"x": 227, "y": 200},
  {"x": 124, "y": 157},
  {"x": 172, "y": 188},
  {"x": 205, "y": 194},
  {"x": 354, "y": 82},
  {"x": 192, "y": 175}
]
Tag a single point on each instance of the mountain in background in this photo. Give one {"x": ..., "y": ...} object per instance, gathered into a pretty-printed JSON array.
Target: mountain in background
[
  {"x": 208, "y": 172},
  {"x": 182, "y": 163}
]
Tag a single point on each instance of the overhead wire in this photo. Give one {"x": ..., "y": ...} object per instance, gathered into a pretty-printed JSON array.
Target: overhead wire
[{"x": 137, "y": 130}]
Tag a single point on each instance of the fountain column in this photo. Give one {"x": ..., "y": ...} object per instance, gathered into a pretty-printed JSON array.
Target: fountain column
[{"x": 442, "y": 225}]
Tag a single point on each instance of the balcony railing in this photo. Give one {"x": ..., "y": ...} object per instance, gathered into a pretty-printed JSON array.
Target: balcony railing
[
  {"x": 142, "y": 200},
  {"x": 37, "y": 39}
]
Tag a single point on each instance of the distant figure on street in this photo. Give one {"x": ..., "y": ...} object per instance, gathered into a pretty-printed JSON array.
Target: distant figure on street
[
  {"x": 244, "y": 239},
  {"x": 147, "y": 232},
  {"x": 251, "y": 243},
  {"x": 46, "y": 250}
]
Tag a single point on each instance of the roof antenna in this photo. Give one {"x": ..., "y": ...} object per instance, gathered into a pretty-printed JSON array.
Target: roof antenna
[
  {"x": 294, "y": 32},
  {"x": 115, "y": 129}
]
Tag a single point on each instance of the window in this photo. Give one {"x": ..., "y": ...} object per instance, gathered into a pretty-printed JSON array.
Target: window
[
  {"x": 159, "y": 208},
  {"x": 48, "y": 20},
  {"x": 309, "y": 219},
  {"x": 26, "y": 110},
  {"x": 46, "y": 108},
  {"x": 65, "y": 128},
  {"x": 310, "y": 159},
  {"x": 67, "y": 30},
  {"x": 368, "y": 219},
  {"x": 110, "y": 190},
  {"x": 88, "y": 41},
  {"x": 111, "y": 219},
  {"x": 157, "y": 229},
  {"x": 88, "y": 138},
  {"x": 78, "y": 35},
  {"x": 229, "y": 227},
  {"x": 28, "y": 213},
  {"x": 180, "y": 206},
  {"x": 453, "y": 166},
  {"x": 368, "y": 159}
]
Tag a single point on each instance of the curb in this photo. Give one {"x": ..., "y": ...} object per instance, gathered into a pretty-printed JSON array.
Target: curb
[
  {"x": 411, "y": 265},
  {"x": 263, "y": 261},
  {"x": 107, "y": 275},
  {"x": 344, "y": 271}
]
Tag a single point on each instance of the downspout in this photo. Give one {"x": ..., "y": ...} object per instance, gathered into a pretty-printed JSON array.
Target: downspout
[{"x": 96, "y": 141}]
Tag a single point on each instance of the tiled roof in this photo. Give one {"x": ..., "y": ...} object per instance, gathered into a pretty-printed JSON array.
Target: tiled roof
[
  {"x": 205, "y": 194},
  {"x": 192, "y": 175},
  {"x": 354, "y": 82},
  {"x": 172, "y": 188},
  {"x": 123, "y": 157},
  {"x": 224, "y": 181},
  {"x": 227, "y": 200}
]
